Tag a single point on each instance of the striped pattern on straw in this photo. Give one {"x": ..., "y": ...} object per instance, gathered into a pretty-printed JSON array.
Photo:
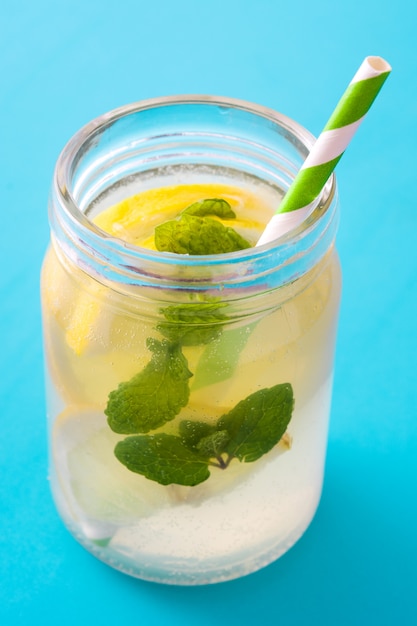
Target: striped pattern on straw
[{"x": 329, "y": 148}]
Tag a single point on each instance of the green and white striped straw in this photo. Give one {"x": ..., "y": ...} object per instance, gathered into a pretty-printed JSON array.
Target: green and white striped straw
[{"x": 298, "y": 202}]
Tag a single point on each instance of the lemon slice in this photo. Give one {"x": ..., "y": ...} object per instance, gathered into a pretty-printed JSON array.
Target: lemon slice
[
  {"x": 76, "y": 302},
  {"x": 92, "y": 343},
  {"x": 79, "y": 303},
  {"x": 99, "y": 493},
  {"x": 134, "y": 219}
]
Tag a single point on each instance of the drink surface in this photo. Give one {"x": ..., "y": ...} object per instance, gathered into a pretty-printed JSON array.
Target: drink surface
[
  {"x": 234, "y": 508},
  {"x": 134, "y": 219}
]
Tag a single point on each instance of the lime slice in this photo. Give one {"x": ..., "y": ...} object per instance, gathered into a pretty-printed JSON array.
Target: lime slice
[{"x": 100, "y": 494}]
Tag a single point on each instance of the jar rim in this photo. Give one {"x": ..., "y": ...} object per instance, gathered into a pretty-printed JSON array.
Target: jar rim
[{"x": 93, "y": 236}]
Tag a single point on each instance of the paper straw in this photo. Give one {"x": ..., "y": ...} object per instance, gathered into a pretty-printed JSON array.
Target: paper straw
[{"x": 326, "y": 152}]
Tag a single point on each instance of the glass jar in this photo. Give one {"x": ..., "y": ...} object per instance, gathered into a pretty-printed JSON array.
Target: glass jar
[{"x": 188, "y": 396}]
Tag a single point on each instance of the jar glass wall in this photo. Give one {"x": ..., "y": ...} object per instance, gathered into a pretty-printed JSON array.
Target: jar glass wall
[{"x": 188, "y": 396}]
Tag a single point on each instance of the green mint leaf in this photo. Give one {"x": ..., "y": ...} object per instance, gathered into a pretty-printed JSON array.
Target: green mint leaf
[
  {"x": 155, "y": 395},
  {"x": 214, "y": 445},
  {"x": 192, "y": 432},
  {"x": 102, "y": 543},
  {"x": 220, "y": 358},
  {"x": 194, "y": 323},
  {"x": 204, "y": 438},
  {"x": 162, "y": 458},
  {"x": 256, "y": 424},
  {"x": 196, "y": 235},
  {"x": 212, "y": 206}
]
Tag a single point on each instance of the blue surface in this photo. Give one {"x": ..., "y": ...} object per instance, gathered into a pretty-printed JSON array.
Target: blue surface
[{"x": 62, "y": 64}]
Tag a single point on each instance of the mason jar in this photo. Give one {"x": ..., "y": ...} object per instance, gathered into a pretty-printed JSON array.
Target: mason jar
[{"x": 188, "y": 395}]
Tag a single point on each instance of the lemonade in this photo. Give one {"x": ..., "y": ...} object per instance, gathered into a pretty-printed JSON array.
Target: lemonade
[{"x": 188, "y": 374}]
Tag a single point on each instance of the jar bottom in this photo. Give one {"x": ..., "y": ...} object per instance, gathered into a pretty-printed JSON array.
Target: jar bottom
[{"x": 185, "y": 572}]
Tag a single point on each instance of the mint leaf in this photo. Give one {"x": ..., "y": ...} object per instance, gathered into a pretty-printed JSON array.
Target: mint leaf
[
  {"x": 213, "y": 445},
  {"x": 192, "y": 432},
  {"x": 194, "y": 323},
  {"x": 220, "y": 358},
  {"x": 256, "y": 424},
  {"x": 247, "y": 432},
  {"x": 162, "y": 458},
  {"x": 155, "y": 395},
  {"x": 205, "y": 439},
  {"x": 102, "y": 543},
  {"x": 212, "y": 206},
  {"x": 196, "y": 235}
]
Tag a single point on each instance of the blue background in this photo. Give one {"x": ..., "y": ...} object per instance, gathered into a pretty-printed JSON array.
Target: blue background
[{"x": 62, "y": 64}]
